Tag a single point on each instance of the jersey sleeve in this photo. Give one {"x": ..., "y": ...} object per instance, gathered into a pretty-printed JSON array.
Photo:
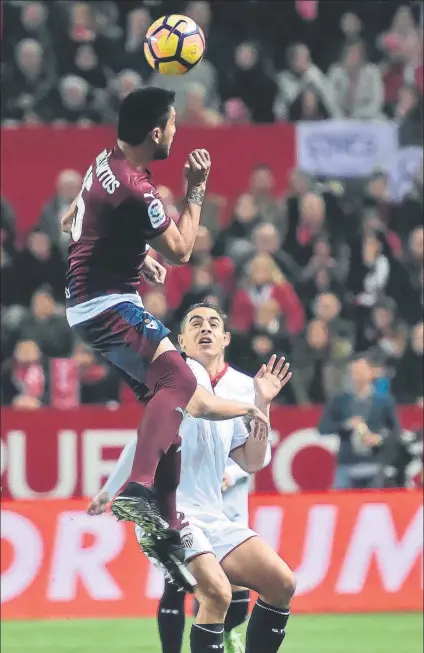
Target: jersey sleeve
[
  {"x": 144, "y": 202},
  {"x": 240, "y": 434},
  {"x": 202, "y": 377}
]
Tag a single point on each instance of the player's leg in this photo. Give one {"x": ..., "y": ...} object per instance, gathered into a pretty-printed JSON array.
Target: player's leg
[
  {"x": 213, "y": 593},
  {"x": 237, "y": 613},
  {"x": 171, "y": 618},
  {"x": 137, "y": 344},
  {"x": 236, "y": 508},
  {"x": 256, "y": 565}
]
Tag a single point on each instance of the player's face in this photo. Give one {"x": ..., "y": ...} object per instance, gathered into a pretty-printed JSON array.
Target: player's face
[
  {"x": 203, "y": 336},
  {"x": 163, "y": 137}
]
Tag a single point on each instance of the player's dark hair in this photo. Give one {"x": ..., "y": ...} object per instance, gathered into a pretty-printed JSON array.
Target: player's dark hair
[
  {"x": 141, "y": 111},
  {"x": 213, "y": 307}
]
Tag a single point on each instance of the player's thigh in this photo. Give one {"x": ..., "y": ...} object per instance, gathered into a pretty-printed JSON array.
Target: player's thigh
[
  {"x": 212, "y": 583},
  {"x": 254, "y": 564},
  {"x": 128, "y": 337}
]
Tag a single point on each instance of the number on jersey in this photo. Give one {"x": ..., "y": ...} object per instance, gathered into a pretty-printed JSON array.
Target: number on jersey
[{"x": 76, "y": 229}]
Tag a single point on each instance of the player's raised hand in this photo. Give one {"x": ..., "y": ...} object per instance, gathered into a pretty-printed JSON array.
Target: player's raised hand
[
  {"x": 197, "y": 168},
  {"x": 271, "y": 378},
  {"x": 99, "y": 504}
]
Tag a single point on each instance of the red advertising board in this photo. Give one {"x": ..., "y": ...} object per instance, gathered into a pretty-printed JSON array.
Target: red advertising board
[
  {"x": 32, "y": 158},
  {"x": 351, "y": 552},
  {"x": 63, "y": 454}
]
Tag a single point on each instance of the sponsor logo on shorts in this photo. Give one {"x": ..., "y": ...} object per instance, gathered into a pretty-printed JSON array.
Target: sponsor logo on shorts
[
  {"x": 151, "y": 324},
  {"x": 187, "y": 540},
  {"x": 156, "y": 213}
]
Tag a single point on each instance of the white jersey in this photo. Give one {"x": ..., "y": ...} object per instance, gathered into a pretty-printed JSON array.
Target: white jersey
[{"x": 205, "y": 449}]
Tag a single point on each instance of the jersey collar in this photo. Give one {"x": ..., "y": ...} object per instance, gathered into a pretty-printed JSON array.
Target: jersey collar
[{"x": 216, "y": 379}]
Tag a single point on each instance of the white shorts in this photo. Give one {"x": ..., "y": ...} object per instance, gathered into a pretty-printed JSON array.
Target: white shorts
[
  {"x": 236, "y": 503},
  {"x": 219, "y": 537}
]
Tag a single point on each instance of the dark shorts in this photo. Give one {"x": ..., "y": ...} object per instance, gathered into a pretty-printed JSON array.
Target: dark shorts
[{"x": 127, "y": 336}]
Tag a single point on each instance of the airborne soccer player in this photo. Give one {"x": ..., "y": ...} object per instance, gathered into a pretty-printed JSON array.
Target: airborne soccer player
[
  {"x": 115, "y": 217},
  {"x": 219, "y": 551}
]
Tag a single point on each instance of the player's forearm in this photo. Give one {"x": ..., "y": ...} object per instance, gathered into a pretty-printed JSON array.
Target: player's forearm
[
  {"x": 252, "y": 455},
  {"x": 208, "y": 406},
  {"x": 121, "y": 471},
  {"x": 188, "y": 223}
]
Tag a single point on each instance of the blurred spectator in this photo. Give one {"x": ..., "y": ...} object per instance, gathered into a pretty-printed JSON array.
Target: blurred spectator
[
  {"x": 414, "y": 263},
  {"x": 195, "y": 112},
  {"x": 99, "y": 383},
  {"x": 266, "y": 239},
  {"x": 68, "y": 185},
  {"x": 234, "y": 240},
  {"x": 262, "y": 186},
  {"x": 327, "y": 309},
  {"x": 385, "y": 330},
  {"x": 132, "y": 57},
  {"x": 27, "y": 82},
  {"x": 308, "y": 106},
  {"x": 9, "y": 274},
  {"x": 203, "y": 270},
  {"x": 220, "y": 44},
  {"x": 252, "y": 80},
  {"x": 236, "y": 112},
  {"x": 408, "y": 381},
  {"x": 7, "y": 226},
  {"x": 23, "y": 379},
  {"x": 39, "y": 263},
  {"x": 119, "y": 87},
  {"x": 306, "y": 225},
  {"x": 204, "y": 74},
  {"x": 264, "y": 281},
  {"x": 368, "y": 275},
  {"x": 356, "y": 85},
  {"x": 311, "y": 357},
  {"x": 408, "y": 113},
  {"x": 297, "y": 85},
  {"x": 368, "y": 427},
  {"x": 47, "y": 326},
  {"x": 72, "y": 103},
  {"x": 86, "y": 65}
]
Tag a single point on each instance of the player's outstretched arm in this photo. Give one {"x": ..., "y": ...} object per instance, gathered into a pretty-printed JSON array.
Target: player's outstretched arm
[
  {"x": 176, "y": 243},
  {"x": 269, "y": 381},
  {"x": 208, "y": 406}
]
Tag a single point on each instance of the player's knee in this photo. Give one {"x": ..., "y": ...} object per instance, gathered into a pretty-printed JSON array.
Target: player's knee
[
  {"x": 218, "y": 594},
  {"x": 281, "y": 588}
]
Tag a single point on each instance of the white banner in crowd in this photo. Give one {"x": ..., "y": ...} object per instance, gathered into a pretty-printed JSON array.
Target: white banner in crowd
[
  {"x": 345, "y": 148},
  {"x": 403, "y": 168}
]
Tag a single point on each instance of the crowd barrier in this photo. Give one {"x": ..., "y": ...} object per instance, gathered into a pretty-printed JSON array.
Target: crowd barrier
[
  {"x": 68, "y": 454},
  {"x": 351, "y": 552}
]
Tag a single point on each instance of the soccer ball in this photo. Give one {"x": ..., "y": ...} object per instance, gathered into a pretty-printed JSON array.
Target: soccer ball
[{"x": 174, "y": 44}]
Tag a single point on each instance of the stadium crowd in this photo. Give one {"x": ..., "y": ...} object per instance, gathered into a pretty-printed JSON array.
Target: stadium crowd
[{"x": 327, "y": 270}]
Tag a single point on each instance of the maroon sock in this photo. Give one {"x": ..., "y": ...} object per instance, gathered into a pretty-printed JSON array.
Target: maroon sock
[{"x": 173, "y": 385}]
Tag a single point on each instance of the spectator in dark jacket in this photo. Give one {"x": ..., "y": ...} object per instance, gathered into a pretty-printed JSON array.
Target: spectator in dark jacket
[
  {"x": 251, "y": 78},
  {"x": 366, "y": 422},
  {"x": 39, "y": 263}
]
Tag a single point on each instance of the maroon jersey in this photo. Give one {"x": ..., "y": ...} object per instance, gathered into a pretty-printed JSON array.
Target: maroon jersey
[{"x": 118, "y": 211}]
